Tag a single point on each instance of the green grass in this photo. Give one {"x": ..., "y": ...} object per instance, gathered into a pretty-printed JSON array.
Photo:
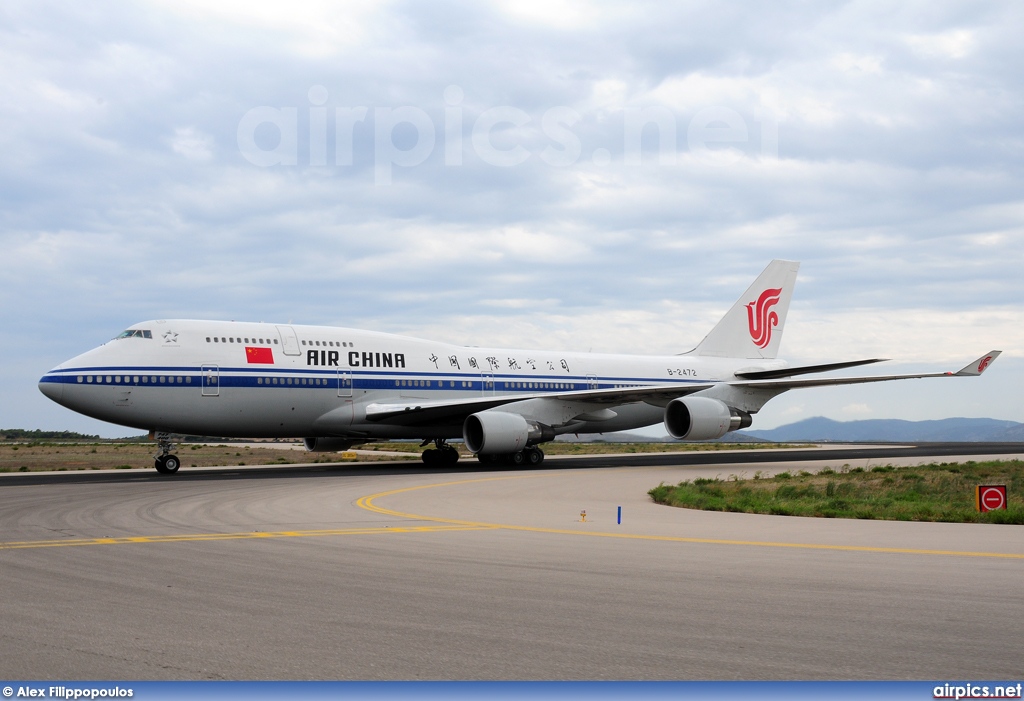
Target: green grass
[{"x": 937, "y": 492}]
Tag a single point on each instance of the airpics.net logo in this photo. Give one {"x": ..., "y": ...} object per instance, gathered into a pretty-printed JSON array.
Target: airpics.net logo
[
  {"x": 971, "y": 690},
  {"x": 503, "y": 136}
]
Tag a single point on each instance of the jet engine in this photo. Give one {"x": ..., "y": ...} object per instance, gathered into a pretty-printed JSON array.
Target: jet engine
[
  {"x": 702, "y": 418},
  {"x": 489, "y": 432},
  {"x": 328, "y": 445}
]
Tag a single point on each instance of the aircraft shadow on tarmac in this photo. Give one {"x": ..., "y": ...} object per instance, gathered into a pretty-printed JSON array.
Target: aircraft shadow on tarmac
[{"x": 466, "y": 466}]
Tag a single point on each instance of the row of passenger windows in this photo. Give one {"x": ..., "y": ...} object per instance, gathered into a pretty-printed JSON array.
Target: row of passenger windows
[
  {"x": 268, "y": 341},
  {"x": 539, "y": 385},
  {"x": 135, "y": 379},
  {"x": 232, "y": 339},
  {"x": 314, "y": 381},
  {"x": 176, "y": 379},
  {"x": 504, "y": 385},
  {"x": 333, "y": 344}
]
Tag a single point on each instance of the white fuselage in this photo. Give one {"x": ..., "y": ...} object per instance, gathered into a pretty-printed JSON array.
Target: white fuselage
[{"x": 265, "y": 380}]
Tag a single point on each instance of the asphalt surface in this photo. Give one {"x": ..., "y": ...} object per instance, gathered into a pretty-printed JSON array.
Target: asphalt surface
[{"x": 398, "y": 572}]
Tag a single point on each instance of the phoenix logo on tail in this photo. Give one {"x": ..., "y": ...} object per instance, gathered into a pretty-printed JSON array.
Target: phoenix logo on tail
[{"x": 761, "y": 319}]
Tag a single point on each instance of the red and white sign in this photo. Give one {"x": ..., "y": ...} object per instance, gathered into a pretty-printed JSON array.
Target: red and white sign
[{"x": 989, "y": 497}]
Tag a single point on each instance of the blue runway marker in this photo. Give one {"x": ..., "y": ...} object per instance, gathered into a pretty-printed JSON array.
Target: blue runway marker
[{"x": 620, "y": 516}]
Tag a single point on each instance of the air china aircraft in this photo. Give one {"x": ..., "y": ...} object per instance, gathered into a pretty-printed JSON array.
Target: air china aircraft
[{"x": 339, "y": 387}]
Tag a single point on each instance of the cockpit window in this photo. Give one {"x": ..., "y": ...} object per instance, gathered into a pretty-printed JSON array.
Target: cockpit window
[{"x": 135, "y": 333}]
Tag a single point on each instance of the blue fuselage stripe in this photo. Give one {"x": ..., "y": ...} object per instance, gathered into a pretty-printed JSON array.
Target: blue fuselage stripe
[{"x": 273, "y": 378}]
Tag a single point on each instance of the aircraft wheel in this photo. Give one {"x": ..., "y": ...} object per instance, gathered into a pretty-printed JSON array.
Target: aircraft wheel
[
  {"x": 429, "y": 457},
  {"x": 534, "y": 456},
  {"x": 518, "y": 458},
  {"x": 450, "y": 455},
  {"x": 159, "y": 464},
  {"x": 171, "y": 464}
]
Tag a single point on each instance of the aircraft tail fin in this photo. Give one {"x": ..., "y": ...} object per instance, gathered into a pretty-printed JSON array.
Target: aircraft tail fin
[{"x": 753, "y": 327}]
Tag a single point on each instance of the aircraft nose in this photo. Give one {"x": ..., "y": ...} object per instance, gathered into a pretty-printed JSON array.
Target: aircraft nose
[{"x": 52, "y": 387}]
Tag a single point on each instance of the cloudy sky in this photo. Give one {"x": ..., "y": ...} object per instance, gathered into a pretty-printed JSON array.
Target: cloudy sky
[{"x": 603, "y": 177}]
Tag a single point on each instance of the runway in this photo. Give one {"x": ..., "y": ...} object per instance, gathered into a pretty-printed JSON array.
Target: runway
[{"x": 398, "y": 572}]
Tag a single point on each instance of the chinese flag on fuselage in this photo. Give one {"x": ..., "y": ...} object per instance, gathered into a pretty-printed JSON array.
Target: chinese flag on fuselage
[{"x": 264, "y": 356}]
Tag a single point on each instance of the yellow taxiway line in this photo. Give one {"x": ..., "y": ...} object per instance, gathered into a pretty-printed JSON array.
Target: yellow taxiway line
[
  {"x": 367, "y": 503},
  {"x": 252, "y": 535},
  {"x": 450, "y": 524}
]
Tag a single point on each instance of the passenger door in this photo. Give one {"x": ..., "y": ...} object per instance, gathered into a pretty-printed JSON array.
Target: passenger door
[{"x": 211, "y": 380}]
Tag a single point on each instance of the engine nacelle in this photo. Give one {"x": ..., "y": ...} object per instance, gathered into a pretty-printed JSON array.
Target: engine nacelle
[
  {"x": 328, "y": 445},
  {"x": 489, "y": 432},
  {"x": 702, "y": 418}
]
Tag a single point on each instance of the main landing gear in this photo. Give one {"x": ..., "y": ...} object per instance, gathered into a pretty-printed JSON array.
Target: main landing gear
[
  {"x": 166, "y": 464},
  {"x": 443, "y": 455},
  {"x": 531, "y": 456}
]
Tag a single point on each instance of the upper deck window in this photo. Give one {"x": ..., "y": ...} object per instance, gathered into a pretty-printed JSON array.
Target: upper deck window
[{"x": 135, "y": 333}]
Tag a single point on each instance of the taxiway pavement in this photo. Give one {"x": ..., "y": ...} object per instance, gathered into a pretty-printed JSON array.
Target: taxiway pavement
[{"x": 397, "y": 572}]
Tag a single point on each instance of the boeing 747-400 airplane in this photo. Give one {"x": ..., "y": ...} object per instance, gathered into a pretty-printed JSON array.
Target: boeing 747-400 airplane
[{"x": 339, "y": 387}]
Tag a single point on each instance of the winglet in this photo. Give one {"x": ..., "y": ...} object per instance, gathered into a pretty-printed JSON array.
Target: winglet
[{"x": 979, "y": 365}]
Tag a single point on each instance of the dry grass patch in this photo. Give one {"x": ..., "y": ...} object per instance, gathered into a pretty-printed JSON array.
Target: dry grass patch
[
  {"x": 104, "y": 455},
  {"x": 33, "y": 457},
  {"x": 936, "y": 492}
]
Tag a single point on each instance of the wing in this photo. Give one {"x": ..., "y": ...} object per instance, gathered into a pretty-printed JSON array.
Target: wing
[
  {"x": 803, "y": 370},
  {"x": 972, "y": 369},
  {"x": 455, "y": 411}
]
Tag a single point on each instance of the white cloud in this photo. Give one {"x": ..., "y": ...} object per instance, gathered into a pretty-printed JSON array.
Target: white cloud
[
  {"x": 572, "y": 15},
  {"x": 852, "y": 63},
  {"x": 310, "y": 29},
  {"x": 955, "y": 44},
  {"x": 192, "y": 144},
  {"x": 859, "y": 410}
]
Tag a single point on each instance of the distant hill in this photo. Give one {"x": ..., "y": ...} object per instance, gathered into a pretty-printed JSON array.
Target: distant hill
[
  {"x": 820, "y": 428},
  {"x": 20, "y": 434},
  {"x": 1015, "y": 434}
]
